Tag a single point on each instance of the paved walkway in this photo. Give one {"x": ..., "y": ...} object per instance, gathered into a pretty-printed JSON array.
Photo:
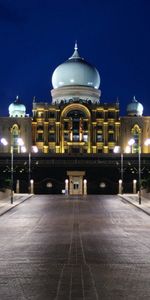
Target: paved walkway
[
  {"x": 5, "y": 204},
  {"x": 134, "y": 200},
  {"x": 91, "y": 248}
]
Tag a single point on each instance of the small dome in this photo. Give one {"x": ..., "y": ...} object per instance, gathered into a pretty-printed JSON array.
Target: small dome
[
  {"x": 17, "y": 109},
  {"x": 135, "y": 108},
  {"x": 75, "y": 71}
]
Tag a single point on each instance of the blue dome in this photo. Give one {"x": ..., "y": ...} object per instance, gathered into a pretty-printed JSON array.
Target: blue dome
[
  {"x": 76, "y": 71},
  {"x": 135, "y": 108},
  {"x": 17, "y": 109}
]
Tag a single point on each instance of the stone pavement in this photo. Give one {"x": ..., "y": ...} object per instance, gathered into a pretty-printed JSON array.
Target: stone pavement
[
  {"x": 134, "y": 200},
  {"x": 5, "y": 204}
]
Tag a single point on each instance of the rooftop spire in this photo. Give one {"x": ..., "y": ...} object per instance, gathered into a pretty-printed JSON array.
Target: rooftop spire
[
  {"x": 75, "y": 54},
  {"x": 134, "y": 99},
  {"x": 76, "y": 45},
  {"x": 17, "y": 99}
]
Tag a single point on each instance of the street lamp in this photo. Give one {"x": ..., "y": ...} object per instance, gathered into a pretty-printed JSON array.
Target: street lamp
[
  {"x": 131, "y": 142},
  {"x": 117, "y": 150},
  {"x": 4, "y": 142},
  {"x": 23, "y": 150},
  {"x": 21, "y": 144}
]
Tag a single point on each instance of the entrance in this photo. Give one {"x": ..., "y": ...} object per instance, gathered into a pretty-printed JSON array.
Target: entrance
[{"x": 76, "y": 184}]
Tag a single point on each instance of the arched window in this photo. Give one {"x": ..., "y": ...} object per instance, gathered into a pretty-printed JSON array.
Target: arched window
[
  {"x": 77, "y": 125},
  {"x": 14, "y": 137},
  {"x": 136, "y": 135}
]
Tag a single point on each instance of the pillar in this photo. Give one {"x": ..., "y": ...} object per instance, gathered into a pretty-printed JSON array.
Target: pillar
[
  {"x": 66, "y": 186},
  {"x": 32, "y": 186},
  {"x": 18, "y": 186},
  {"x": 134, "y": 186},
  {"x": 84, "y": 187},
  {"x": 120, "y": 186}
]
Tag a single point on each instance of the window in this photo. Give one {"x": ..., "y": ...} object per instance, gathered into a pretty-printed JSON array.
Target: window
[
  {"x": 51, "y": 114},
  {"x": 110, "y": 127},
  {"x": 111, "y": 115},
  {"x": 85, "y": 137},
  {"x": 51, "y": 137},
  {"x": 99, "y": 114},
  {"x": 66, "y": 136},
  {"x": 51, "y": 127},
  {"x": 99, "y": 138},
  {"x": 75, "y": 137},
  {"x": 40, "y": 114},
  {"x": 110, "y": 137},
  {"x": 136, "y": 135},
  {"x": 40, "y": 127},
  {"x": 85, "y": 125},
  {"x": 40, "y": 137},
  {"x": 76, "y": 185},
  {"x": 66, "y": 125},
  {"x": 14, "y": 137},
  {"x": 99, "y": 127}
]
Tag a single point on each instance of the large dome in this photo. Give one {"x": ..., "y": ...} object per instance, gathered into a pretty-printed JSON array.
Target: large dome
[
  {"x": 76, "y": 71},
  {"x": 135, "y": 108}
]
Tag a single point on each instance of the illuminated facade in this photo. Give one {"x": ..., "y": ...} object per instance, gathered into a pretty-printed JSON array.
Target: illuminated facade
[
  {"x": 75, "y": 122},
  {"x": 75, "y": 127},
  {"x": 76, "y": 134}
]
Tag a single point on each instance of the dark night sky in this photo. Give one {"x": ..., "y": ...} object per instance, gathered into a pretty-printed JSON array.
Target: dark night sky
[{"x": 38, "y": 35}]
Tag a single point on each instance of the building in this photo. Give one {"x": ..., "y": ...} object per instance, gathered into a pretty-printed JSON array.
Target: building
[
  {"x": 75, "y": 121},
  {"x": 76, "y": 125}
]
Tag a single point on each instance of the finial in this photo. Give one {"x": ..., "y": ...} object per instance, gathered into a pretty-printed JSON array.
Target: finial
[
  {"x": 76, "y": 45},
  {"x": 134, "y": 99},
  {"x": 34, "y": 98},
  {"x": 117, "y": 101},
  {"x": 76, "y": 55},
  {"x": 17, "y": 99}
]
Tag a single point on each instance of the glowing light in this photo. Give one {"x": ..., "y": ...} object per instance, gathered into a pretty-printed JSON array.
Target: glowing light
[
  {"x": 131, "y": 142},
  {"x": 127, "y": 149},
  {"x": 35, "y": 149},
  {"x": 147, "y": 142},
  {"x": 20, "y": 142},
  {"x": 23, "y": 149},
  {"x": 116, "y": 149},
  {"x": 4, "y": 142}
]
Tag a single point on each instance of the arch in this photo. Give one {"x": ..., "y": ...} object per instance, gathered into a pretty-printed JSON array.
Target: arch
[
  {"x": 75, "y": 106},
  {"x": 136, "y": 135},
  {"x": 76, "y": 131},
  {"x": 15, "y": 133}
]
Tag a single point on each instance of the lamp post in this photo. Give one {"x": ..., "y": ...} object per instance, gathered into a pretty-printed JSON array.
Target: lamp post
[
  {"x": 131, "y": 142},
  {"x": 139, "y": 174},
  {"x": 118, "y": 150},
  {"x": 12, "y": 175},
  {"x": 4, "y": 142},
  {"x": 23, "y": 150},
  {"x": 21, "y": 144}
]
